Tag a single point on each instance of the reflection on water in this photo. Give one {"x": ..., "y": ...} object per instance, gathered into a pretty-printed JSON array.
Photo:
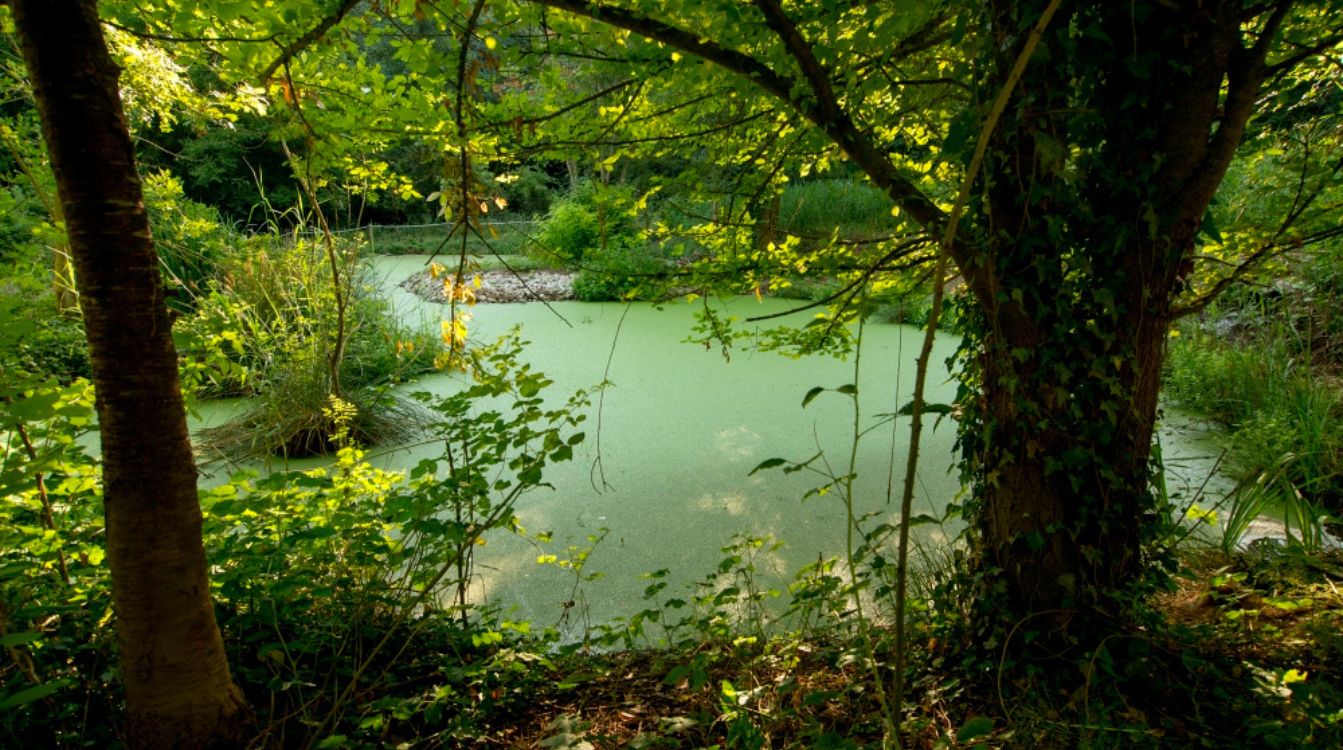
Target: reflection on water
[{"x": 680, "y": 431}]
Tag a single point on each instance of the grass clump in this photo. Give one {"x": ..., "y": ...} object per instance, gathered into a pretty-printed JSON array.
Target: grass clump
[{"x": 269, "y": 331}]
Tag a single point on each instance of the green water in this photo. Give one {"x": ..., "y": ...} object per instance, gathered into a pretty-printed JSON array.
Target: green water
[{"x": 681, "y": 429}]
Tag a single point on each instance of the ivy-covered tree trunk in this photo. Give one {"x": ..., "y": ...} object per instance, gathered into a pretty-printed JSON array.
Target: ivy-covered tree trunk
[
  {"x": 179, "y": 692},
  {"x": 1096, "y": 187}
]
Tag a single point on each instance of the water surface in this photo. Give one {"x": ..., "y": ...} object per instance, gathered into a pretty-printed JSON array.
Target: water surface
[{"x": 681, "y": 429}]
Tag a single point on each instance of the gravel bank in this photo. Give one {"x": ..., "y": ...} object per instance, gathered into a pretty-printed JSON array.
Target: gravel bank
[{"x": 500, "y": 286}]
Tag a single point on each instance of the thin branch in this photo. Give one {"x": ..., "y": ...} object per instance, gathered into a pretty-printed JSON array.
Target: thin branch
[
  {"x": 1305, "y": 53},
  {"x": 561, "y": 111},
  {"x": 800, "y": 235},
  {"x": 1258, "y": 257},
  {"x": 464, "y": 143},
  {"x": 899, "y": 251},
  {"x": 652, "y": 138}
]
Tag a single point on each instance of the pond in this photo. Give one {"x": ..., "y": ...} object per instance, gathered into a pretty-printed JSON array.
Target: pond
[{"x": 681, "y": 430}]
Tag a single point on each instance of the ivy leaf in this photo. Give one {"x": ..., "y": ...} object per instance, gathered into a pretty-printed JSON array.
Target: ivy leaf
[
  {"x": 19, "y": 639},
  {"x": 1209, "y": 227},
  {"x": 958, "y": 134}
]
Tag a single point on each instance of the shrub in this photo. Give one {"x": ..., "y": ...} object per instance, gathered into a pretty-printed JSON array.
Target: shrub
[
  {"x": 628, "y": 269},
  {"x": 570, "y": 231},
  {"x": 49, "y": 343},
  {"x": 528, "y": 190},
  {"x": 58, "y": 682},
  {"x": 338, "y": 588}
]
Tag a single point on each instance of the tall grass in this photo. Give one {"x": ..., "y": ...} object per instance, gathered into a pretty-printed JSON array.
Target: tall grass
[
  {"x": 819, "y": 207},
  {"x": 1284, "y": 417}
]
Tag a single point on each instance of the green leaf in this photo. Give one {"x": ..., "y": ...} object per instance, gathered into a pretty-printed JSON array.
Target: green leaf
[
  {"x": 848, "y": 389},
  {"x": 35, "y": 693},
  {"x": 1209, "y": 229},
  {"x": 811, "y": 395},
  {"x": 974, "y": 728},
  {"x": 39, "y": 406},
  {"x": 18, "y": 639},
  {"x": 768, "y": 463},
  {"x": 958, "y": 134}
]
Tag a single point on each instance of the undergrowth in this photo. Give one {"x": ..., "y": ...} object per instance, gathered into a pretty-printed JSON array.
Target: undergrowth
[{"x": 343, "y": 597}]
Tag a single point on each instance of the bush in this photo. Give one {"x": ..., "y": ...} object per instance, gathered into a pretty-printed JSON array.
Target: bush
[
  {"x": 528, "y": 190},
  {"x": 570, "y": 231},
  {"x": 58, "y": 682},
  {"x": 46, "y": 342},
  {"x": 56, "y": 347},
  {"x": 627, "y": 269},
  {"x": 337, "y": 590}
]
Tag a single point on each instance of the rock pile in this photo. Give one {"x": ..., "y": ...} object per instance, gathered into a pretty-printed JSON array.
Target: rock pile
[{"x": 499, "y": 286}]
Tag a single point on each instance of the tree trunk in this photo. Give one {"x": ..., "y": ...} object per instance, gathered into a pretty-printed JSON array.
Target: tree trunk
[
  {"x": 179, "y": 692},
  {"x": 1096, "y": 183}
]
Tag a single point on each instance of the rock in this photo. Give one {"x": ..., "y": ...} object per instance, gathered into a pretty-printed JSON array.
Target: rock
[{"x": 499, "y": 286}]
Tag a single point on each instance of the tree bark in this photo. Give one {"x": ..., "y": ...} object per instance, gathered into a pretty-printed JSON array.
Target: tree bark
[
  {"x": 1094, "y": 197},
  {"x": 179, "y": 692}
]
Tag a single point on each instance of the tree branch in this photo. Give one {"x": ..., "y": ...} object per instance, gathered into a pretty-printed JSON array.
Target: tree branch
[
  {"x": 1305, "y": 53},
  {"x": 288, "y": 51},
  {"x": 1245, "y": 77},
  {"x": 822, "y": 110},
  {"x": 559, "y": 112}
]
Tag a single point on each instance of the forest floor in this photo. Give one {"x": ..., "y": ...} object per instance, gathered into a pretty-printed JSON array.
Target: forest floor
[{"x": 1246, "y": 651}]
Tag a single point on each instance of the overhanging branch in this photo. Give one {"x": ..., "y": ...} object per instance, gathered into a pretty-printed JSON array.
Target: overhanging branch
[
  {"x": 288, "y": 51},
  {"x": 820, "y": 107}
]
